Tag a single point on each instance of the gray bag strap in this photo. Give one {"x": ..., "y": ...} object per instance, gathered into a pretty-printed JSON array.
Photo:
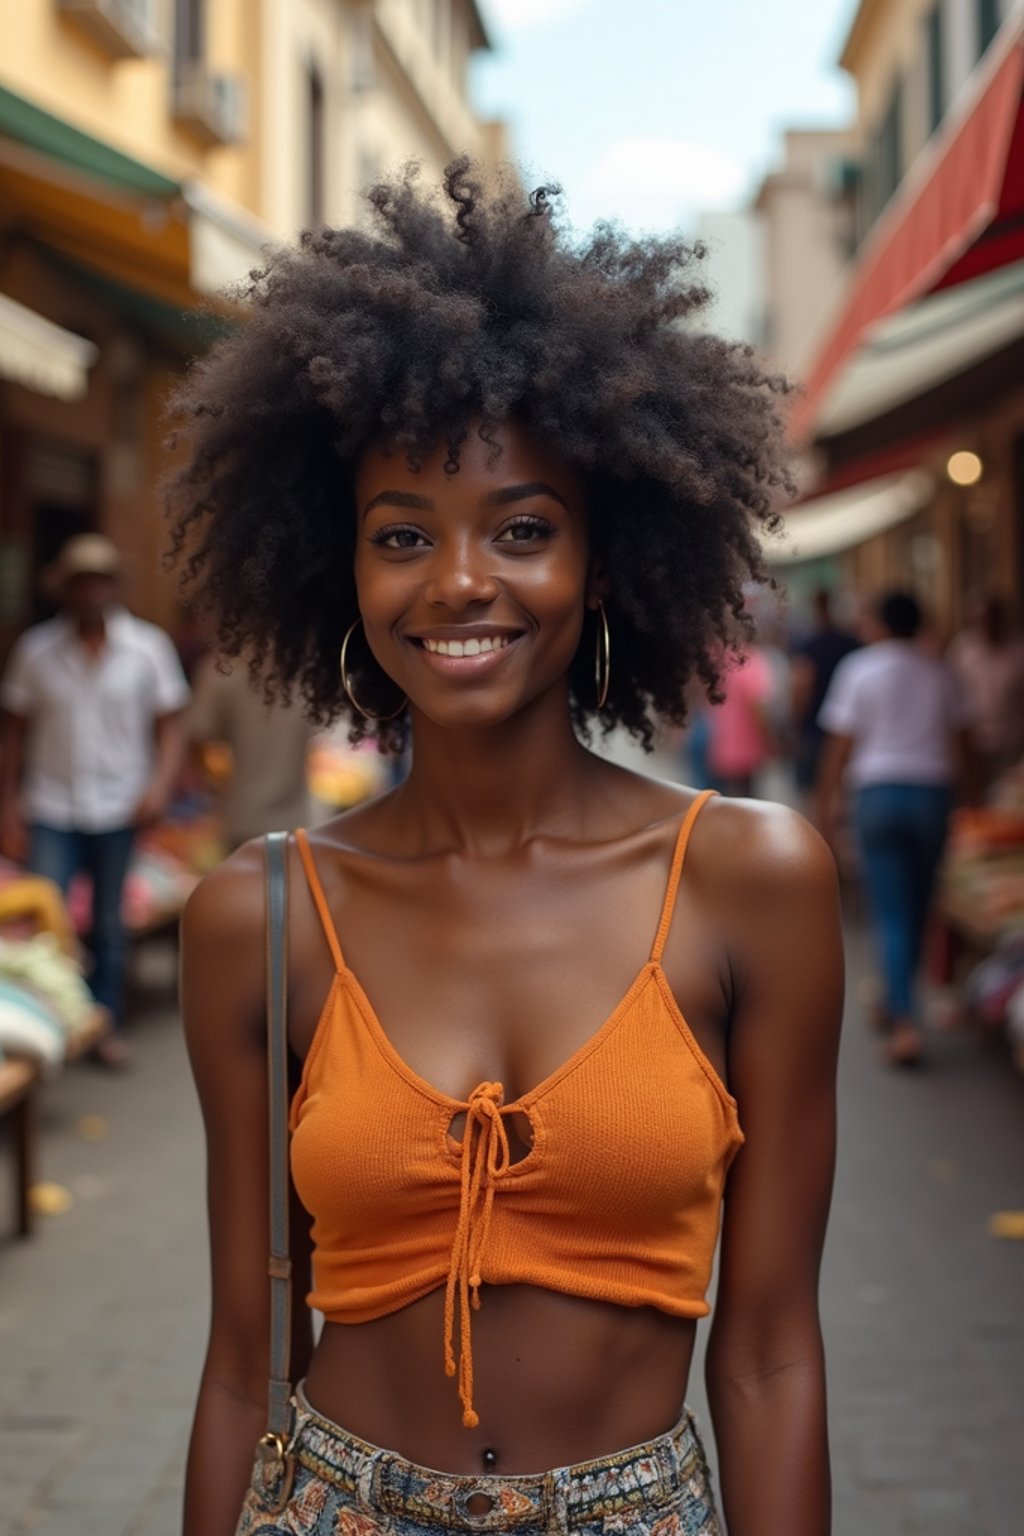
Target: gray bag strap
[{"x": 279, "y": 1392}]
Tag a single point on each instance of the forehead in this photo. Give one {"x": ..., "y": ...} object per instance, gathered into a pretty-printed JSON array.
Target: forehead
[{"x": 515, "y": 457}]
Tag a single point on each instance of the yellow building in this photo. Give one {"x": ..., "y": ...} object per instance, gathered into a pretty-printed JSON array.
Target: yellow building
[
  {"x": 922, "y": 355},
  {"x": 149, "y": 151}
]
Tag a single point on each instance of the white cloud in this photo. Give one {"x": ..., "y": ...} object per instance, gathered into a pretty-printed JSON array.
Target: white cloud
[
  {"x": 520, "y": 15},
  {"x": 655, "y": 184}
]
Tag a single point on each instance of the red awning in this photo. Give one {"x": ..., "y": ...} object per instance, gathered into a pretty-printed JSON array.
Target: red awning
[{"x": 959, "y": 214}]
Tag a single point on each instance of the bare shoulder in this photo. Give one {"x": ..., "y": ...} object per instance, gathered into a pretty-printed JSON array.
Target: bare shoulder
[
  {"x": 761, "y": 846},
  {"x": 222, "y": 984},
  {"x": 226, "y": 907}
]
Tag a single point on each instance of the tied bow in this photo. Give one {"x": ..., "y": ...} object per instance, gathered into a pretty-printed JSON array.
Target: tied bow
[{"x": 485, "y": 1160}]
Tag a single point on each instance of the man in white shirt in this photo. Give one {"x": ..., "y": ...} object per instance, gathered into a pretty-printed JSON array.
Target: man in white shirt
[{"x": 92, "y": 745}]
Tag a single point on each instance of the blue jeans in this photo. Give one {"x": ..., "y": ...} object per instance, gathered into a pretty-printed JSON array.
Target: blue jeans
[
  {"x": 60, "y": 854},
  {"x": 901, "y": 829}
]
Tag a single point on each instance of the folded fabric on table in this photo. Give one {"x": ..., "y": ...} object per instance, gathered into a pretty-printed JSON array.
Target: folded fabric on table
[
  {"x": 39, "y": 966},
  {"x": 28, "y": 1027}
]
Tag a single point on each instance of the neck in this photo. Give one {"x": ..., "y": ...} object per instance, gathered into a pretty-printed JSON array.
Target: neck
[
  {"x": 491, "y": 790},
  {"x": 90, "y": 626}
]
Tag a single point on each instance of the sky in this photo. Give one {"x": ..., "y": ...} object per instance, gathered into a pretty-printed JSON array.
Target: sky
[{"x": 648, "y": 111}]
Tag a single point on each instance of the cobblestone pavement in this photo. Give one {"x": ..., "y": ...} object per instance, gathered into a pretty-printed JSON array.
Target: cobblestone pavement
[{"x": 102, "y": 1315}]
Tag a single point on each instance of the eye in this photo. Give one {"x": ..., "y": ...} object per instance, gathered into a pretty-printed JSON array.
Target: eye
[
  {"x": 398, "y": 536},
  {"x": 525, "y": 530}
]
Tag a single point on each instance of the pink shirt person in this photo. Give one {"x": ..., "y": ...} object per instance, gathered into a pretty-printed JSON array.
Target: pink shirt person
[{"x": 740, "y": 738}]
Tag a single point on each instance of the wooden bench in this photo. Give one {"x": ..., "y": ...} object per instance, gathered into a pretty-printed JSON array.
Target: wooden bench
[{"x": 19, "y": 1082}]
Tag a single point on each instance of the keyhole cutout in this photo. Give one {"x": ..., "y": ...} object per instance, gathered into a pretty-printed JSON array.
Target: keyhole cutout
[
  {"x": 517, "y": 1128},
  {"x": 479, "y": 1504}
]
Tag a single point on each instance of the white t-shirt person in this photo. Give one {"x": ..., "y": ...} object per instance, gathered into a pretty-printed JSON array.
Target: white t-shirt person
[
  {"x": 90, "y": 744},
  {"x": 901, "y": 708}
]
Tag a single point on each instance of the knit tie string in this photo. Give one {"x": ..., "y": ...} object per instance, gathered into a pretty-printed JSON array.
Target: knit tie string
[{"x": 485, "y": 1159}]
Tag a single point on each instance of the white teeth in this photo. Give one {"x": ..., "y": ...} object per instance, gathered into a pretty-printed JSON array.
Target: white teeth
[{"x": 472, "y": 647}]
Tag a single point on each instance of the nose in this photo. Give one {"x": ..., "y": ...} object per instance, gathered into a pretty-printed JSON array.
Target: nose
[{"x": 462, "y": 575}]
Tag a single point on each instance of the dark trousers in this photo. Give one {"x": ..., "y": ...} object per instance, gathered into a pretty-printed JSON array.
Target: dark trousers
[
  {"x": 901, "y": 829},
  {"x": 60, "y": 853}
]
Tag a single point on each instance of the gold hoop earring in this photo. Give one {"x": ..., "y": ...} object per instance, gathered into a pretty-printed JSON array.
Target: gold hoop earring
[
  {"x": 347, "y": 685},
  {"x": 603, "y": 657}
]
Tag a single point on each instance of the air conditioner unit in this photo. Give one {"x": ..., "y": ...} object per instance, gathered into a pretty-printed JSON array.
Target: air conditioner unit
[
  {"x": 124, "y": 29},
  {"x": 210, "y": 104}
]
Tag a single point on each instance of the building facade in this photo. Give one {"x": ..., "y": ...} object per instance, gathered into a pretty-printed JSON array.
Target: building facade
[
  {"x": 805, "y": 211},
  {"x": 150, "y": 150},
  {"x": 918, "y": 360}
]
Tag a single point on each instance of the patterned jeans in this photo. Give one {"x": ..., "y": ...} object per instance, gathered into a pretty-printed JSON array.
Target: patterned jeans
[{"x": 344, "y": 1487}]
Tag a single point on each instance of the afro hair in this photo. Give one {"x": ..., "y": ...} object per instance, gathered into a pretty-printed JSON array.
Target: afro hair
[{"x": 454, "y": 313}]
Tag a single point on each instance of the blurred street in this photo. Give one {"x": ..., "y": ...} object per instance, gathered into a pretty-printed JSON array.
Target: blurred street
[{"x": 921, "y": 1305}]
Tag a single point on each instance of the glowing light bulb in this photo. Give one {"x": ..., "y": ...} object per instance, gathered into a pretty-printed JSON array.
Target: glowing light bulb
[{"x": 964, "y": 467}]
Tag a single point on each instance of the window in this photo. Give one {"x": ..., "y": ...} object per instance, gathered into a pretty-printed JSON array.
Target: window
[
  {"x": 189, "y": 31},
  {"x": 988, "y": 23},
  {"x": 935, "y": 52},
  {"x": 315, "y": 145},
  {"x": 889, "y": 149}
]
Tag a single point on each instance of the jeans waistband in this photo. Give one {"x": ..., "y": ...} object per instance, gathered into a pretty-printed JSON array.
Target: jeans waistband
[{"x": 640, "y": 1477}]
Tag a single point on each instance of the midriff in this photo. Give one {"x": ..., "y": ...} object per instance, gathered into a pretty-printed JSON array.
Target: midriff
[{"x": 565, "y": 1380}]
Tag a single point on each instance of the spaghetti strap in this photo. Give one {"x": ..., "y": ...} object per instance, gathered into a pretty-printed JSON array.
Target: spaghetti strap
[
  {"x": 678, "y": 859},
  {"x": 317, "y": 891}
]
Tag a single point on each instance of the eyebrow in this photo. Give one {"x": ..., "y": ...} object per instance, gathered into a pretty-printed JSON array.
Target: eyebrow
[
  {"x": 508, "y": 493},
  {"x": 523, "y": 493}
]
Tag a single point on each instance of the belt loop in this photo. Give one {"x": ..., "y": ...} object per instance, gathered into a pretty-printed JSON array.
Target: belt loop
[
  {"x": 370, "y": 1480},
  {"x": 556, "y": 1499}
]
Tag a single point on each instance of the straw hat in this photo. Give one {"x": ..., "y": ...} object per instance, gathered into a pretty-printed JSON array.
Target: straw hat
[{"x": 88, "y": 554}]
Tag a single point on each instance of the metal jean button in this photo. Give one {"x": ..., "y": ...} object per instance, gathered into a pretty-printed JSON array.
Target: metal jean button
[{"x": 474, "y": 1503}]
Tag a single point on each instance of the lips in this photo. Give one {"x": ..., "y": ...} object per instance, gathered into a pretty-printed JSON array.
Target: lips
[{"x": 465, "y": 652}]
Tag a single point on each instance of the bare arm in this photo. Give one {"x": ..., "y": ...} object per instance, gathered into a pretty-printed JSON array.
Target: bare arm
[
  {"x": 223, "y": 1003},
  {"x": 834, "y": 758},
  {"x": 765, "y": 1366},
  {"x": 168, "y": 760}
]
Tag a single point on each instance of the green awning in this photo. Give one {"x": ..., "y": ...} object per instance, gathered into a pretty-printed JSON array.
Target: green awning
[
  {"x": 29, "y": 124},
  {"x": 185, "y": 331}
]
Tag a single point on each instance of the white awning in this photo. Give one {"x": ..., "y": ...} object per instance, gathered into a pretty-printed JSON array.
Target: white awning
[
  {"x": 922, "y": 346},
  {"x": 846, "y": 518},
  {"x": 42, "y": 356},
  {"x": 225, "y": 241}
]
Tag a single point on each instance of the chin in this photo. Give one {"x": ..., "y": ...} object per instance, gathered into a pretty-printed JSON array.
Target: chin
[{"x": 466, "y": 714}]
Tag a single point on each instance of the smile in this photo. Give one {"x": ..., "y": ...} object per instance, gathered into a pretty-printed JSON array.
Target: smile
[
  {"x": 477, "y": 646},
  {"x": 470, "y": 657}
]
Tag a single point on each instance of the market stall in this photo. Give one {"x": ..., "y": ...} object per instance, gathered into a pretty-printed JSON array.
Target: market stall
[{"x": 981, "y": 909}]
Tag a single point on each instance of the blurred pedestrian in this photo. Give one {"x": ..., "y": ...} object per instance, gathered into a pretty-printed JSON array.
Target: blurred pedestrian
[
  {"x": 92, "y": 747},
  {"x": 814, "y": 660},
  {"x": 895, "y": 727},
  {"x": 741, "y": 730},
  {"x": 988, "y": 659},
  {"x": 267, "y": 788}
]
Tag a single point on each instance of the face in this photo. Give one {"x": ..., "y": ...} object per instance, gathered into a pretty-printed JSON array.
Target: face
[
  {"x": 472, "y": 586},
  {"x": 88, "y": 595}
]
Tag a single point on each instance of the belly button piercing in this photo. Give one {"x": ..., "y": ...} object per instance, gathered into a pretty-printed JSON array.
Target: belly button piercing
[{"x": 490, "y": 1460}]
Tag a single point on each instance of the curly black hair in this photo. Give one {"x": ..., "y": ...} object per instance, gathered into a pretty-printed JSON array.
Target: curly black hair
[{"x": 473, "y": 308}]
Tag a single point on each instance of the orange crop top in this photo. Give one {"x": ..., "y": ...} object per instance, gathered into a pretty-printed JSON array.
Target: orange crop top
[{"x": 617, "y": 1199}]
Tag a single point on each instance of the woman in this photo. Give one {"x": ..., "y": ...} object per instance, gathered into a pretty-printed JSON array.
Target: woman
[
  {"x": 895, "y": 728},
  {"x": 454, "y": 451}
]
